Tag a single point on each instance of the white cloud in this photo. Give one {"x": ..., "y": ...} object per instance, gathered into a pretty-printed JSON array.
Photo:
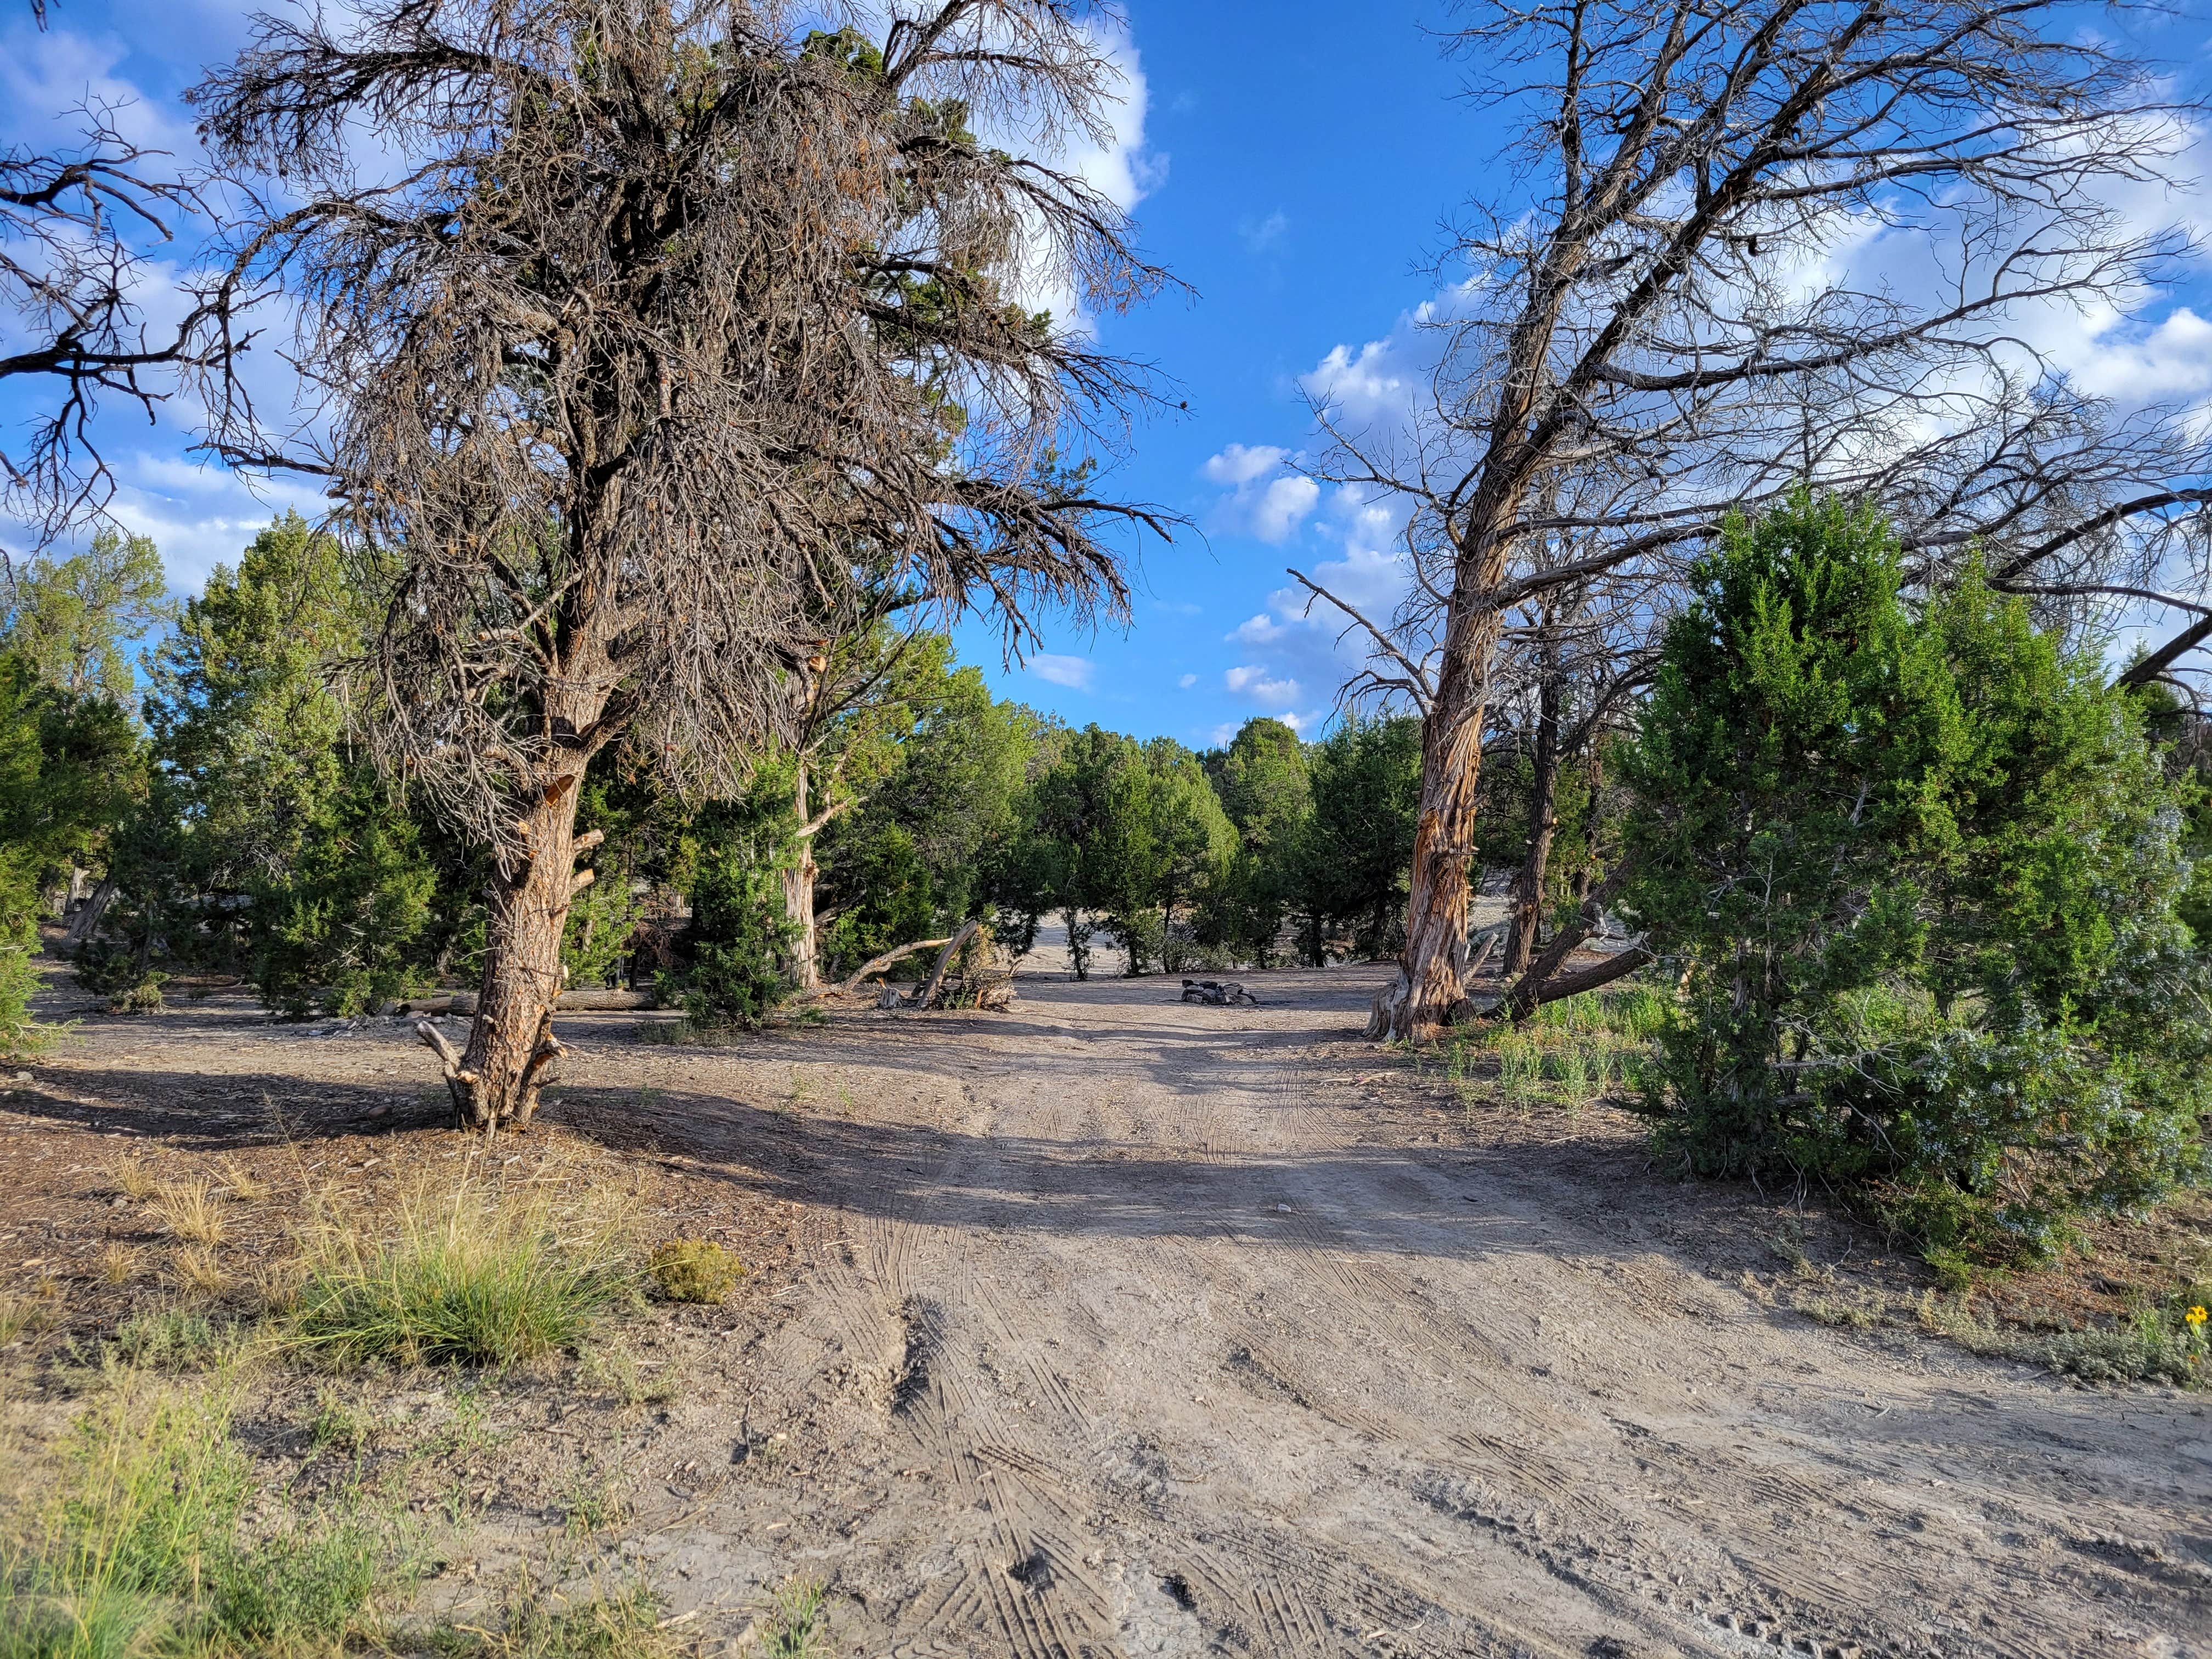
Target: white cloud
[
  {"x": 1187, "y": 681},
  {"x": 2131, "y": 363},
  {"x": 1296, "y": 641},
  {"x": 45, "y": 75},
  {"x": 1259, "y": 235},
  {"x": 1256, "y": 683},
  {"x": 1243, "y": 464},
  {"x": 1074, "y": 672},
  {"x": 1122, "y": 169},
  {"x": 1272, "y": 510}
]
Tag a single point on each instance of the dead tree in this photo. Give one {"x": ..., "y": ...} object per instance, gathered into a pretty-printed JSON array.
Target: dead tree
[
  {"x": 1662, "y": 323},
  {"x": 650, "y": 326}
]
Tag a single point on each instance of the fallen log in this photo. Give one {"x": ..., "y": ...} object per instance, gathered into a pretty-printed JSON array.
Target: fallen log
[
  {"x": 952, "y": 948},
  {"x": 846, "y": 987},
  {"x": 578, "y": 1001},
  {"x": 1216, "y": 993}
]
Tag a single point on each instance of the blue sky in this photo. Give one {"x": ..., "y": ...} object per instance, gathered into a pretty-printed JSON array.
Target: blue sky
[{"x": 1293, "y": 162}]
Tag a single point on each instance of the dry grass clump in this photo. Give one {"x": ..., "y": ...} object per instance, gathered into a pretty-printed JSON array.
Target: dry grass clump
[
  {"x": 694, "y": 1270},
  {"x": 192, "y": 1211},
  {"x": 475, "y": 1271},
  {"x": 134, "y": 1178},
  {"x": 197, "y": 1269},
  {"x": 244, "y": 1184},
  {"x": 20, "y": 1317}
]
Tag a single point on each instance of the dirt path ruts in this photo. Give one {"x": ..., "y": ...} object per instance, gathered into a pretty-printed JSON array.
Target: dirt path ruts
[{"x": 1125, "y": 1337}]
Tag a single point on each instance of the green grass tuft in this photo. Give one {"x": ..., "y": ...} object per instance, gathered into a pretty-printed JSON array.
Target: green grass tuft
[
  {"x": 799, "y": 1625},
  {"x": 141, "y": 1553},
  {"x": 475, "y": 1275}
]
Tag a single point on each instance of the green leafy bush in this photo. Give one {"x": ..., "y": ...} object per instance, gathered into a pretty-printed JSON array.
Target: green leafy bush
[{"x": 733, "y": 957}]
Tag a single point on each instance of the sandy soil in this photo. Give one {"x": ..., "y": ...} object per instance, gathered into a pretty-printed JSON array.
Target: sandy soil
[{"x": 1117, "y": 1325}]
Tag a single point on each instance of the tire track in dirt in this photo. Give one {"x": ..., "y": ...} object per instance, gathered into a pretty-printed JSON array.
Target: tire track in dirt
[{"x": 1137, "y": 1406}]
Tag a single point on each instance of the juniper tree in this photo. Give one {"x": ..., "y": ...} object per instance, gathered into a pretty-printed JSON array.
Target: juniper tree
[{"x": 661, "y": 311}]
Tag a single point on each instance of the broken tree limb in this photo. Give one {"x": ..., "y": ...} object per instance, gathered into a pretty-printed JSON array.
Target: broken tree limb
[
  {"x": 86, "y": 922},
  {"x": 1619, "y": 965},
  {"x": 590, "y": 839},
  {"x": 1538, "y": 986},
  {"x": 878, "y": 964},
  {"x": 928, "y": 995},
  {"x": 2166, "y": 656},
  {"x": 547, "y": 1049},
  {"x": 588, "y": 998},
  {"x": 459, "y": 1084},
  {"x": 1418, "y": 683}
]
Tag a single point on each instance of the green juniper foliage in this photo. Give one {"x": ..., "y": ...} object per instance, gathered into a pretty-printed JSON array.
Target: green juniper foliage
[
  {"x": 1921, "y": 873},
  {"x": 733, "y": 955},
  {"x": 1350, "y": 865}
]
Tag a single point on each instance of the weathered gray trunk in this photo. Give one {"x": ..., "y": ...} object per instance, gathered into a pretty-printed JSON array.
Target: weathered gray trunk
[
  {"x": 1430, "y": 990},
  {"x": 1543, "y": 828},
  {"x": 512, "y": 1049},
  {"x": 83, "y": 925},
  {"x": 798, "y": 879}
]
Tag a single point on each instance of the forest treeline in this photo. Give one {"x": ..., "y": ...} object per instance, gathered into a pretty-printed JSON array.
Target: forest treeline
[
  {"x": 1930, "y": 892},
  {"x": 215, "y": 816}
]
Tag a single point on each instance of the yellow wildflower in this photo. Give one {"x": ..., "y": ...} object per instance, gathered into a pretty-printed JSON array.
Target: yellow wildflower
[{"x": 2196, "y": 1315}]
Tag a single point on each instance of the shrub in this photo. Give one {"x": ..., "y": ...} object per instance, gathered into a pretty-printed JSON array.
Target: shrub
[
  {"x": 171, "y": 1339},
  {"x": 732, "y": 953},
  {"x": 474, "y": 1275},
  {"x": 694, "y": 1270},
  {"x": 116, "y": 969},
  {"x": 1920, "y": 872},
  {"x": 294, "y": 1587}
]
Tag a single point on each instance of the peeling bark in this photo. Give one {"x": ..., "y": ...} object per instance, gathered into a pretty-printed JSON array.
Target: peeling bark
[{"x": 1430, "y": 991}]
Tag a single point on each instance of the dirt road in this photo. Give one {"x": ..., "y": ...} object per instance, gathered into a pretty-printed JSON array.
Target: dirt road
[{"x": 1123, "y": 1326}]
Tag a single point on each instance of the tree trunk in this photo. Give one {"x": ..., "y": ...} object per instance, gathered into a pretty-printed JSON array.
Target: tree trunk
[
  {"x": 1543, "y": 825},
  {"x": 86, "y": 922},
  {"x": 1543, "y": 982},
  {"x": 1430, "y": 990},
  {"x": 495, "y": 1079},
  {"x": 798, "y": 896}
]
